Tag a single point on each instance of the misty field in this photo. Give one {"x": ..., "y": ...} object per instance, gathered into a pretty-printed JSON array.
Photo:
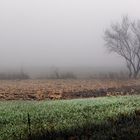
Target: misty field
[
  {"x": 65, "y": 89},
  {"x": 48, "y": 109},
  {"x": 103, "y": 118}
]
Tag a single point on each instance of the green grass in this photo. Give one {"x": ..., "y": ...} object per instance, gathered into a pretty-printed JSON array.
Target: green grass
[{"x": 100, "y": 118}]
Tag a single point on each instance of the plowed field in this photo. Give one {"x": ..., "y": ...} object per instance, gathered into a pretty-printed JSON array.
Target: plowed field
[{"x": 65, "y": 89}]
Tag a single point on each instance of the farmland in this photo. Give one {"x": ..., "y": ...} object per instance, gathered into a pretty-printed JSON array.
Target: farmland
[
  {"x": 65, "y": 89},
  {"x": 68, "y": 109}
]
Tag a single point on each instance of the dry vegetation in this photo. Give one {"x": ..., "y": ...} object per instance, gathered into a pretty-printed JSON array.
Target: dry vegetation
[{"x": 65, "y": 89}]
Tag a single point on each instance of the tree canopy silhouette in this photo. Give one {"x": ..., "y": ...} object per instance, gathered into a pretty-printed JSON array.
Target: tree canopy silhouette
[{"x": 124, "y": 39}]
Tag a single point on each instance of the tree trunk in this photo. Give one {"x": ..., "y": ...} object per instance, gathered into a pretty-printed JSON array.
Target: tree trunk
[
  {"x": 130, "y": 75},
  {"x": 135, "y": 75}
]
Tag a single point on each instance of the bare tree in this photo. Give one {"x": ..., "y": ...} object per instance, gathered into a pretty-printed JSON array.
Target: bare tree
[{"x": 124, "y": 39}]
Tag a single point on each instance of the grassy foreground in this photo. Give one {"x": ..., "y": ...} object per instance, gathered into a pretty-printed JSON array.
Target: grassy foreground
[{"x": 106, "y": 118}]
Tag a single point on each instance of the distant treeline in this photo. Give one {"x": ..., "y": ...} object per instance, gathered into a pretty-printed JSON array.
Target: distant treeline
[
  {"x": 110, "y": 75},
  {"x": 70, "y": 75},
  {"x": 57, "y": 75},
  {"x": 65, "y": 75},
  {"x": 14, "y": 76}
]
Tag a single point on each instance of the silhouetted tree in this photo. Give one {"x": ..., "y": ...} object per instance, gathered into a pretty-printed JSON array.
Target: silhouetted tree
[{"x": 124, "y": 39}]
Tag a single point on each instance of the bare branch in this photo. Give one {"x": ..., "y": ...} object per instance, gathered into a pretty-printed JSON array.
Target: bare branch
[{"x": 124, "y": 39}]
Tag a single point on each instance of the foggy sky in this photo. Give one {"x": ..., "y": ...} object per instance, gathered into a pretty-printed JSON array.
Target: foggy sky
[{"x": 59, "y": 32}]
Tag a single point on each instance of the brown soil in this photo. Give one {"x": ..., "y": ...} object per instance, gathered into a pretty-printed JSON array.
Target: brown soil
[{"x": 65, "y": 89}]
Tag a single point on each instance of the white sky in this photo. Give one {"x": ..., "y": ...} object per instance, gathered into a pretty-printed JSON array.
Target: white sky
[{"x": 59, "y": 32}]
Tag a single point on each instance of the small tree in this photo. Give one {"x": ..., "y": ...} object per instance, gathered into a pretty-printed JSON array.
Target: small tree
[{"x": 124, "y": 39}]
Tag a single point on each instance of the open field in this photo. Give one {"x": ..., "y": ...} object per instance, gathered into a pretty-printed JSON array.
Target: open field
[
  {"x": 104, "y": 118},
  {"x": 65, "y": 89}
]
